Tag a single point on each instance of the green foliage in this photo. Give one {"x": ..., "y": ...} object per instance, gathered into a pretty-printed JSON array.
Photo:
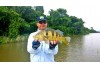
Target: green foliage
[
  {"x": 20, "y": 20},
  {"x": 17, "y": 20},
  {"x": 4, "y": 20},
  {"x": 39, "y": 9},
  {"x": 59, "y": 19},
  {"x": 92, "y": 30}
]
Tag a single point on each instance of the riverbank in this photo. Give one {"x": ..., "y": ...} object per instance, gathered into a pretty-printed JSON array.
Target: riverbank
[{"x": 19, "y": 38}]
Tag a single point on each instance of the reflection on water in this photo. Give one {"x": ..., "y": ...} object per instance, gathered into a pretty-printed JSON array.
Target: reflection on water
[
  {"x": 81, "y": 49},
  {"x": 84, "y": 48},
  {"x": 13, "y": 52},
  {"x": 62, "y": 53}
]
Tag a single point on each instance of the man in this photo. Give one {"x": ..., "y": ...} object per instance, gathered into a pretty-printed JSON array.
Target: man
[{"x": 39, "y": 50}]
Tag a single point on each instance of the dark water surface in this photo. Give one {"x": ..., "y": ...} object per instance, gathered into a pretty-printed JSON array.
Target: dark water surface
[{"x": 84, "y": 48}]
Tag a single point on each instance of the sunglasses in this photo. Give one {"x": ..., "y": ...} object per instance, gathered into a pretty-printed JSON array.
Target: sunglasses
[{"x": 41, "y": 22}]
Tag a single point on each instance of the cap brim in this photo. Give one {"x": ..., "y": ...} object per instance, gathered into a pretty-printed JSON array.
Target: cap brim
[{"x": 42, "y": 20}]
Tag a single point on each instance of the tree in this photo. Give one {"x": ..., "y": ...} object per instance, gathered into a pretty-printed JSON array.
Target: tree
[
  {"x": 29, "y": 15},
  {"x": 39, "y": 9},
  {"x": 62, "y": 12},
  {"x": 4, "y": 21},
  {"x": 92, "y": 30},
  {"x": 19, "y": 20}
]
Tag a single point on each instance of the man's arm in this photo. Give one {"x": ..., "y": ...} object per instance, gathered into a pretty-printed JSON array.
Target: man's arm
[
  {"x": 31, "y": 45},
  {"x": 52, "y": 48}
]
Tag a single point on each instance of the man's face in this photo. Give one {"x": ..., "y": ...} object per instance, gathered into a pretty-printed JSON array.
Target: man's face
[{"x": 42, "y": 25}]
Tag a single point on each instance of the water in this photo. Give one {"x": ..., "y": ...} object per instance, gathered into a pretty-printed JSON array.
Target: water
[
  {"x": 14, "y": 52},
  {"x": 84, "y": 48}
]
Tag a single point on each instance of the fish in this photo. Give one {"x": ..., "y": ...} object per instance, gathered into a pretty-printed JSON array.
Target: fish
[{"x": 51, "y": 35}]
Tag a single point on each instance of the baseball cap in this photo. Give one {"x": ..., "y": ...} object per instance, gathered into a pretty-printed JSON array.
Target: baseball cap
[{"x": 40, "y": 18}]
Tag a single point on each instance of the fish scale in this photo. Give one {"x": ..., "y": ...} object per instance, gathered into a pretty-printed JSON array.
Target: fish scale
[{"x": 49, "y": 35}]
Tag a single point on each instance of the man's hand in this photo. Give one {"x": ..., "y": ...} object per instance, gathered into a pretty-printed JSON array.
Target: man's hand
[
  {"x": 35, "y": 44},
  {"x": 53, "y": 44}
]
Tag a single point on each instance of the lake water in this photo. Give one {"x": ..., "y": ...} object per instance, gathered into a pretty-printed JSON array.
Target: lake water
[{"x": 82, "y": 48}]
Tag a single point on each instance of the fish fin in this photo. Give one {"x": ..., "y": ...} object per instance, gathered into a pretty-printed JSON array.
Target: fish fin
[
  {"x": 68, "y": 39},
  {"x": 64, "y": 41}
]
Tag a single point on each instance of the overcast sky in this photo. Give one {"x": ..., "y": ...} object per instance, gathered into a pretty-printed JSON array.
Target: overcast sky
[{"x": 88, "y": 10}]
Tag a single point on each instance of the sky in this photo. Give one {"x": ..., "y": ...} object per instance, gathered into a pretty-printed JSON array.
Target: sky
[{"x": 88, "y": 10}]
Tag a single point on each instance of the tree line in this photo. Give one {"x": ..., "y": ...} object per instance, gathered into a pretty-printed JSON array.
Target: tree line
[{"x": 20, "y": 20}]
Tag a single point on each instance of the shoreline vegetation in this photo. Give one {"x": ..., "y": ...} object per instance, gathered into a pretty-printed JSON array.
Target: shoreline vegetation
[
  {"x": 19, "y": 38},
  {"x": 22, "y": 38},
  {"x": 17, "y": 22}
]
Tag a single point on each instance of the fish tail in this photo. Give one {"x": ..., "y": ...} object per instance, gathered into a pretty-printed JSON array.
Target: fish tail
[{"x": 63, "y": 41}]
